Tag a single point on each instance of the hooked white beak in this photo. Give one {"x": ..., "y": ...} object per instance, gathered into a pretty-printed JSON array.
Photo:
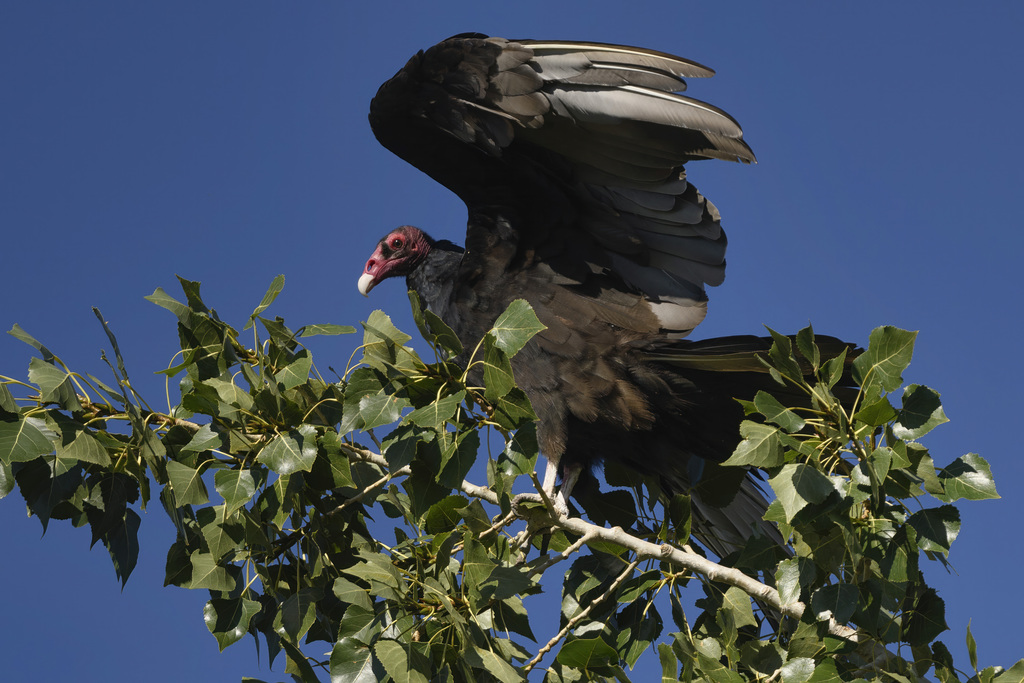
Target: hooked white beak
[{"x": 366, "y": 283}]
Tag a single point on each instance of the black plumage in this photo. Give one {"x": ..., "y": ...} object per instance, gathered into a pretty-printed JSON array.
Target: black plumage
[{"x": 569, "y": 157}]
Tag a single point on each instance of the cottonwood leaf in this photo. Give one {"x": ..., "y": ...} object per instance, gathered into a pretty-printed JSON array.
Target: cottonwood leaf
[
  {"x": 437, "y": 413},
  {"x": 54, "y": 384},
  {"x": 352, "y": 662},
  {"x": 760, "y": 447},
  {"x": 797, "y": 670},
  {"x": 516, "y": 326},
  {"x": 325, "y": 329},
  {"x": 297, "y": 614},
  {"x": 206, "y": 573},
  {"x": 936, "y": 528},
  {"x": 25, "y": 439},
  {"x": 276, "y": 285},
  {"x": 402, "y": 662},
  {"x": 888, "y": 355},
  {"x": 187, "y": 484},
  {"x": 498, "y": 380},
  {"x": 122, "y": 542},
  {"x": 583, "y": 653},
  {"x": 237, "y": 487},
  {"x": 381, "y": 409},
  {"x": 489, "y": 661},
  {"x": 203, "y": 440},
  {"x": 228, "y": 619},
  {"x": 796, "y": 485},
  {"x": 737, "y": 604},
  {"x": 777, "y": 413},
  {"x": 969, "y": 477},
  {"x": 921, "y": 412},
  {"x": 290, "y": 451},
  {"x": 296, "y": 372},
  {"x": 19, "y": 333},
  {"x": 838, "y": 601}
]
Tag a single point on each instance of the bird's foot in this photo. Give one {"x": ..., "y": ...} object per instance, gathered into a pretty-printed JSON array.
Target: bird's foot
[{"x": 552, "y": 502}]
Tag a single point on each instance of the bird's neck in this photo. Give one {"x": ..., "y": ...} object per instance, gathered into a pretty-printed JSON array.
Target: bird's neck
[{"x": 434, "y": 277}]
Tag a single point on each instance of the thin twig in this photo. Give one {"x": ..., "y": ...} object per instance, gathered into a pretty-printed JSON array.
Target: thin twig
[{"x": 626, "y": 573}]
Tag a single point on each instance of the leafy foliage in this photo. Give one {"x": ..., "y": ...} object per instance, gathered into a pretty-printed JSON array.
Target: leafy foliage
[{"x": 279, "y": 488}]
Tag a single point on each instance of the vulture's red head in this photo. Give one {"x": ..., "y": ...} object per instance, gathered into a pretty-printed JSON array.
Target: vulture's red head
[{"x": 397, "y": 254}]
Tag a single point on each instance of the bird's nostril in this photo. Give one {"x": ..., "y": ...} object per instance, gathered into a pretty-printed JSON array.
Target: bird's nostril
[{"x": 369, "y": 265}]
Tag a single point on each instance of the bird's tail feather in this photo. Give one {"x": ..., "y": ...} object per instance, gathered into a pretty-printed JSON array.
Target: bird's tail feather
[{"x": 724, "y": 530}]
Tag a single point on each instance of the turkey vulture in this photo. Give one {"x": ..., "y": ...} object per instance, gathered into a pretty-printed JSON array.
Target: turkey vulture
[{"x": 569, "y": 157}]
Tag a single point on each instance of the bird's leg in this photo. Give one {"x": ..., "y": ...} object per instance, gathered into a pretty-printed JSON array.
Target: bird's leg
[{"x": 569, "y": 476}]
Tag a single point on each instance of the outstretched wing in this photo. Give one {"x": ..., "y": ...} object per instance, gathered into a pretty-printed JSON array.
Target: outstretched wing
[{"x": 570, "y": 155}]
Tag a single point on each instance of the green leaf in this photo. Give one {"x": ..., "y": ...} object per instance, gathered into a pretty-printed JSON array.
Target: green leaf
[
  {"x": 402, "y": 662},
  {"x": 888, "y": 355},
  {"x": 513, "y": 410},
  {"x": 796, "y": 485},
  {"x": 298, "y": 664},
  {"x": 164, "y": 300},
  {"x": 1015, "y": 674},
  {"x": 325, "y": 329},
  {"x": 791, "y": 576},
  {"x": 878, "y": 413},
  {"x": 761, "y": 446},
  {"x": 206, "y": 573},
  {"x": 680, "y": 514},
  {"x": 489, "y": 661},
  {"x": 296, "y": 372},
  {"x": 203, "y": 440},
  {"x": 925, "y": 619},
  {"x": 228, "y": 619},
  {"x": 6, "y": 480},
  {"x": 498, "y": 379},
  {"x": 777, "y": 413},
  {"x": 520, "y": 454},
  {"x": 350, "y": 593},
  {"x": 838, "y": 601},
  {"x": 825, "y": 672},
  {"x": 187, "y": 484},
  {"x": 381, "y": 409},
  {"x": 18, "y": 333},
  {"x": 457, "y": 458},
  {"x": 781, "y": 357},
  {"x": 936, "y": 528},
  {"x": 669, "y": 663},
  {"x": 237, "y": 487},
  {"x": 516, "y": 326},
  {"x": 54, "y": 384},
  {"x": 25, "y": 439},
  {"x": 7, "y": 402},
  {"x": 437, "y": 413},
  {"x": 798, "y": 670},
  {"x": 122, "y": 542},
  {"x": 584, "y": 653},
  {"x": 736, "y": 603},
  {"x": 969, "y": 477},
  {"x": 972, "y": 648},
  {"x": 275, "y": 288},
  {"x": 340, "y": 467},
  {"x": 297, "y": 614},
  {"x": 382, "y": 343},
  {"x": 444, "y": 515},
  {"x": 290, "y": 451},
  {"x": 433, "y": 329},
  {"x": 352, "y": 662},
  {"x": 921, "y": 412}
]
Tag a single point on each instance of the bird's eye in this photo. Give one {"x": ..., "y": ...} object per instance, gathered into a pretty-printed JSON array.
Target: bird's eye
[{"x": 396, "y": 243}]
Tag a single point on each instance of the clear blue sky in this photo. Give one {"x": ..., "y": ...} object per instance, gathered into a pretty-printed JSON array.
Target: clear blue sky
[{"x": 227, "y": 142}]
